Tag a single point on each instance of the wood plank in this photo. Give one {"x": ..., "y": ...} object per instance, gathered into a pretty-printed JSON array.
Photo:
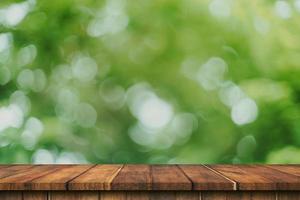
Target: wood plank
[
  {"x": 150, "y": 177},
  {"x": 263, "y": 195},
  {"x": 13, "y": 169},
  {"x": 290, "y": 195},
  {"x": 291, "y": 169},
  {"x": 74, "y": 195},
  {"x": 206, "y": 179},
  {"x": 190, "y": 195},
  {"x": 238, "y": 195},
  {"x": 282, "y": 180},
  {"x": 8, "y": 195},
  {"x": 133, "y": 177},
  {"x": 169, "y": 177},
  {"x": 250, "y": 177},
  {"x": 36, "y": 195},
  {"x": 4, "y": 166},
  {"x": 147, "y": 195},
  {"x": 244, "y": 180},
  {"x": 112, "y": 195},
  {"x": 97, "y": 178},
  {"x": 137, "y": 195},
  {"x": 18, "y": 181},
  {"x": 163, "y": 195},
  {"x": 57, "y": 180}
]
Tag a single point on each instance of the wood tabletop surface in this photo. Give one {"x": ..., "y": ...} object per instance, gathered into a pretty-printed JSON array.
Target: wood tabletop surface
[{"x": 150, "y": 177}]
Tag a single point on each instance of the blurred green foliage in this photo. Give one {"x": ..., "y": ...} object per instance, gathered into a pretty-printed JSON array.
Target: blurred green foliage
[{"x": 153, "y": 81}]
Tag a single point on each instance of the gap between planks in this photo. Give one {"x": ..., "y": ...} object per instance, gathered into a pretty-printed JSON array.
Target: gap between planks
[
  {"x": 192, "y": 183},
  {"x": 115, "y": 174},
  {"x": 18, "y": 171},
  {"x": 280, "y": 171},
  {"x": 235, "y": 185},
  {"x": 67, "y": 183}
]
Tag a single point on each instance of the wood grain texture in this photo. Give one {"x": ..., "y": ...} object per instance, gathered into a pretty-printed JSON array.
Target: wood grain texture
[
  {"x": 244, "y": 180},
  {"x": 97, "y": 178},
  {"x": 149, "y": 195},
  {"x": 13, "y": 169},
  {"x": 237, "y": 195},
  {"x": 57, "y": 180},
  {"x": 74, "y": 195},
  {"x": 137, "y": 195},
  {"x": 8, "y": 195},
  {"x": 283, "y": 195},
  {"x": 250, "y": 177},
  {"x": 35, "y": 195},
  {"x": 150, "y": 177},
  {"x": 263, "y": 195},
  {"x": 282, "y": 180},
  {"x": 163, "y": 195},
  {"x": 169, "y": 177},
  {"x": 188, "y": 195},
  {"x": 206, "y": 179},
  {"x": 291, "y": 169},
  {"x": 112, "y": 195},
  {"x": 133, "y": 177},
  {"x": 18, "y": 181}
]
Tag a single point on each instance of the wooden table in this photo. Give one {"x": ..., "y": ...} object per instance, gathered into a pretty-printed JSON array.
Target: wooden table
[{"x": 143, "y": 182}]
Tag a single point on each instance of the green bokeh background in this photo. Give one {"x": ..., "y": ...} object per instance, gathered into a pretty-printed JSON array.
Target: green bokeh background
[{"x": 150, "y": 81}]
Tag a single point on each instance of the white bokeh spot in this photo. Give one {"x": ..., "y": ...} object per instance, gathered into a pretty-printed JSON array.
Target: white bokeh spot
[{"x": 244, "y": 112}]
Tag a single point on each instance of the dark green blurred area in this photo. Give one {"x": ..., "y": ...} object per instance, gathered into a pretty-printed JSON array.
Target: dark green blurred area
[{"x": 163, "y": 81}]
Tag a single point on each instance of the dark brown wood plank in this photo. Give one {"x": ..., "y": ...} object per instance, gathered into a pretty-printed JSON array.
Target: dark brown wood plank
[
  {"x": 149, "y": 195},
  {"x": 4, "y": 166},
  {"x": 205, "y": 179},
  {"x": 257, "y": 177},
  {"x": 190, "y": 195},
  {"x": 138, "y": 195},
  {"x": 97, "y": 178},
  {"x": 9, "y": 195},
  {"x": 73, "y": 195},
  {"x": 291, "y": 169},
  {"x": 133, "y": 177},
  {"x": 290, "y": 195},
  {"x": 169, "y": 177},
  {"x": 57, "y": 180},
  {"x": 18, "y": 181},
  {"x": 13, "y": 169},
  {"x": 238, "y": 195},
  {"x": 112, "y": 195},
  {"x": 257, "y": 195},
  {"x": 163, "y": 195},
  {"x": 35, "y": 195}
]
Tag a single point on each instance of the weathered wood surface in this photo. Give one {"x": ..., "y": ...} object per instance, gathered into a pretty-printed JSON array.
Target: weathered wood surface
[
  {"x": 204, "y": 178},
  {"x": 57, "y": 179},
  {"x": 133, "y": 177},
  {"x": 258, "y": 177},
  {"x": 99, "y": 177},
  {"x": 150, "y": 177},
  {"x": 150, "y": 182},
  {"x": 169, "y": 177}
]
